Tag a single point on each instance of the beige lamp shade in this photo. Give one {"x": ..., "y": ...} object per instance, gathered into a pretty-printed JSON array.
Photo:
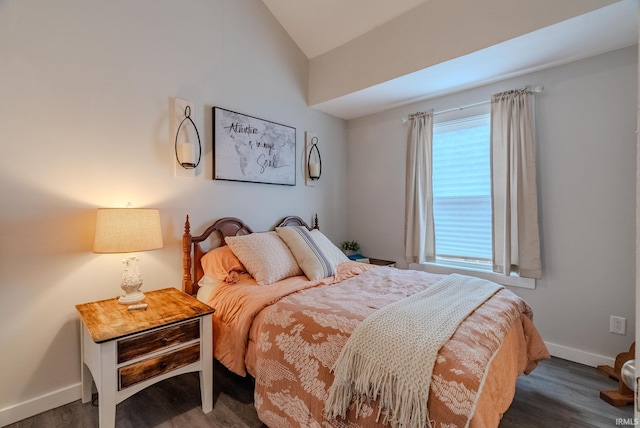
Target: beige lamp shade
[{"x": 127, "y": 230}]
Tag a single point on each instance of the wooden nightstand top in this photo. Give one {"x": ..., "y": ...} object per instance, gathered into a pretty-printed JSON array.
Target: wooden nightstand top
[{"x": 107, "y": 319}]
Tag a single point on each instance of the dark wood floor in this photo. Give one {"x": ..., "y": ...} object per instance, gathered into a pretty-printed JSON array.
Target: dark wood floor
[{"x": 558, "y": 393}]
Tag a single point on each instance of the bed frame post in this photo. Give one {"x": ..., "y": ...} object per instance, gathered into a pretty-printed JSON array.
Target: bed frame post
[{"x": 187, "y": 281}]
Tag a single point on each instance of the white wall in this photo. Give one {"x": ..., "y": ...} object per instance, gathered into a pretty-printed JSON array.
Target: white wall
[
  {"x": 85, "y": 87},
  {"x": 586, "y": 122}
]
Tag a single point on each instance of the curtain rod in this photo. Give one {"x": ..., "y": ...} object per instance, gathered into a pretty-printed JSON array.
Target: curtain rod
[{"x": 535, "y": 90}]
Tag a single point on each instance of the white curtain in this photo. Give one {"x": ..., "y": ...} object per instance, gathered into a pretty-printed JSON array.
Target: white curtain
[
  {"x": 419, "y": 228},
  {"x": 516, "y": 239}
]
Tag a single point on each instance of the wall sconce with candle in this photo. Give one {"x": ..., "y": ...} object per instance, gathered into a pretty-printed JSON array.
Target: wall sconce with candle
[
  {"x": 187, "y": 144},
  {"x": 128, "y": 230},
  {"x": 313, "y": 164}
]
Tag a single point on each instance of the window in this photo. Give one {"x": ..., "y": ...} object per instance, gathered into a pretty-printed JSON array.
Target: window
[{"x": 462, "y": 192}]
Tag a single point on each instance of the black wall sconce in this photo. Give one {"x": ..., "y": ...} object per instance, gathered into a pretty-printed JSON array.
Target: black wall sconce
[
  {"x": 314, "y": 160},
  {"x": 188, "y": 156}
]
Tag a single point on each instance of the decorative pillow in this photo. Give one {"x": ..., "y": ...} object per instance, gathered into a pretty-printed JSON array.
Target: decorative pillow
[
  {"x": 266, "y": 257},
  {"x": 333, "y": 253},
  {"x": 220, "y": 262},
  {"x": 314, "y": 263}
]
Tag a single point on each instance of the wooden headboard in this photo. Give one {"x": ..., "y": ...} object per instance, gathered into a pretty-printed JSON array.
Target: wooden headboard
[{"x": 192, "y": 250}]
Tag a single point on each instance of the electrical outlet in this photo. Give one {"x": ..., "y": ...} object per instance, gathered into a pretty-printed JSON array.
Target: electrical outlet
[{"x": 618, "y": 325}]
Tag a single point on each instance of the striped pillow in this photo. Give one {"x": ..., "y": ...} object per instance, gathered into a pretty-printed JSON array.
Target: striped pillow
[
  {"x": 310, "y": 257},
  {"x": 333, "y": 253}
]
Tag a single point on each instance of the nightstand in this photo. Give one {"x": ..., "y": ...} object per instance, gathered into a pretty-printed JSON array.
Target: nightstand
[
  {"x": 125, "y": 351},
  {"x": 380, "y": 262}
]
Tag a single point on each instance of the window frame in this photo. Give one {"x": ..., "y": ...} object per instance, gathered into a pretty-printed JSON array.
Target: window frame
[{"x": 465, "y": 268}]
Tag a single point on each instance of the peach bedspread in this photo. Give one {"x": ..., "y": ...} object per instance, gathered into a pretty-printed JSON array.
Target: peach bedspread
[
  {"x": 237, "y": 304},
  {"x": 289, "y": 342}
]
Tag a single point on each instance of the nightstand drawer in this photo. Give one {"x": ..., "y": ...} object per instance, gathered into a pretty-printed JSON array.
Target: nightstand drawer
[
  {"x": 137, "y": 346},
  {"x": 152, "y": 367}
]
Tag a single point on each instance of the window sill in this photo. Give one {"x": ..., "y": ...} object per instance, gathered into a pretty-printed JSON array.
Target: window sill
[{"x": 513, "y": 281}]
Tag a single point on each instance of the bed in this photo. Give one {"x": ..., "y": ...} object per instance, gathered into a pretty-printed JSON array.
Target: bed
[{"x": 290, "y": 333}]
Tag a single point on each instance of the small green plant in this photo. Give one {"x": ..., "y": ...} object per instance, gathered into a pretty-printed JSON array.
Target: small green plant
[{"x": 350, "y": 246}]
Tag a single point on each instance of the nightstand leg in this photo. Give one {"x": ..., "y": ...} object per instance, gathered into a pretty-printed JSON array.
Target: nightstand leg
[
  {"x": 108, "y": 387},
  {"x": 85, "y": 373},
  {"x": 87, "y": 383},
  {"x": 206, "y": 374}
]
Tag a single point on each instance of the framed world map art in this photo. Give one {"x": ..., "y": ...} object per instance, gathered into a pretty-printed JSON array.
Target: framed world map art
[{"x": 249, "y": 149}]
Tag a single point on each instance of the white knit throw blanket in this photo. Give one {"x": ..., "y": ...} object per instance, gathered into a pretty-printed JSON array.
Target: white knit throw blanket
[{"x": 391, "y": 353}]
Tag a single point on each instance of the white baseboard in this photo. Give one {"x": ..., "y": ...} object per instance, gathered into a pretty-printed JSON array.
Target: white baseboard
[
  {"x": 37, "y": 405},
  {"x": 72, "y": 393},
  {"x": 578, "y": 356}
]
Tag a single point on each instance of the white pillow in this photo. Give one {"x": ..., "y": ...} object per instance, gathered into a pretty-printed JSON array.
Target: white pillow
[
  {"x": 206, "y": 284},
  {"x": 333, "y": 253},
  {"x": 309, "y": 255},
  {"x": 265, "y": 256}
]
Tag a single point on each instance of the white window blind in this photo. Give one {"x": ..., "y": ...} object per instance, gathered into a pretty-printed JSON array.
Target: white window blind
[{"x": 462, "y": 190}]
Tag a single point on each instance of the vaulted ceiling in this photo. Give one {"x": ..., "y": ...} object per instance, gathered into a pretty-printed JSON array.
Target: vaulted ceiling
[
  {"x": 317, "y": 26},
  {"x": 323, "y": 27}
]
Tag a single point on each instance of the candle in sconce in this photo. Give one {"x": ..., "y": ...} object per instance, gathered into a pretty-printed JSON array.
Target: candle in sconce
[
  {"x": 187, "y": 153},
  {"x": 314, "y": 170}
]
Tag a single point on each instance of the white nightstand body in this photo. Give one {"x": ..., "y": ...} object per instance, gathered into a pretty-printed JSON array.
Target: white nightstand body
[{"x": 100, "y": 366}]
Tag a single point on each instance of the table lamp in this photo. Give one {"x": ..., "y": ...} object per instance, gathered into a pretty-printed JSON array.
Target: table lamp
[{"x": 128, "y": 230}]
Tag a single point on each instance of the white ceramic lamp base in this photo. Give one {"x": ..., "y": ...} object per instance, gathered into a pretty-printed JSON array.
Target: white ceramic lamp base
[
  {"x": 131, "y": 282},
  {"x": 130, "y": 298}
]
